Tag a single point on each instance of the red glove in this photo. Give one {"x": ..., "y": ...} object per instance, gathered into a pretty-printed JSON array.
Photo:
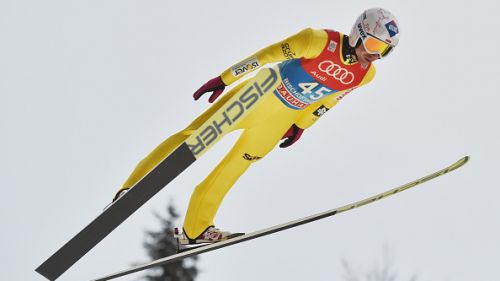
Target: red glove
[
  {"x": 292, "y": 135},
  {"x": 214, "y": 85}
]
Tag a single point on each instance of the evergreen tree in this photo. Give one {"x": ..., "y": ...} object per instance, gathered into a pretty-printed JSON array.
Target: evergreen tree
[
  {"x": 380, "y": 271},
  {"x": 162, "y": 243}
]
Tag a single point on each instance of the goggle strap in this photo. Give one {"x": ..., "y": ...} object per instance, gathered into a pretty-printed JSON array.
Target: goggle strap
[{"x": 386, "y": 51}]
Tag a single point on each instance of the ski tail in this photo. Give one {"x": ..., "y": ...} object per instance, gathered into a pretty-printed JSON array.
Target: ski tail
[{"x": 113, "y": 216}]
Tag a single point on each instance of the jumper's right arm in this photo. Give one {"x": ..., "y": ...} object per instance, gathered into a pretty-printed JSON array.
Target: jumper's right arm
[{"x": 308, "y": 43}]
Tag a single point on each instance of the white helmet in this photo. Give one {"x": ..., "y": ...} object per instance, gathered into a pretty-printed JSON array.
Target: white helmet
[{"x": 377, "y": 29}]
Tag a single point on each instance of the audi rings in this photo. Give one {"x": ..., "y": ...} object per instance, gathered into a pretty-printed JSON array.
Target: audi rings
[{"x": 337, "y": 72}]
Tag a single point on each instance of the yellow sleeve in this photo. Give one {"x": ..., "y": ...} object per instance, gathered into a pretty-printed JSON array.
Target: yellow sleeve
[
  {"x": 314, "y": 111},
  {"x": 308, "y": 43}
]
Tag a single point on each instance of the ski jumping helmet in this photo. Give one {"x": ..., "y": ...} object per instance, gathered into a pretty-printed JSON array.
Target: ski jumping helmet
[{"x": 377, "y": 29}]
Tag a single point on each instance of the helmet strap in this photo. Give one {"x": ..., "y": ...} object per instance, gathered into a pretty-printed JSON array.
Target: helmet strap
[
  {"x": 349, "y": 52},
  {"x": 358, "y": 43}
]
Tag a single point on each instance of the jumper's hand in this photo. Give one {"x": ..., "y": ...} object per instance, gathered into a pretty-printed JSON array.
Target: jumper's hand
[
  {"x": 214, "y": 85},
  {"x": 291, "y": 136}
]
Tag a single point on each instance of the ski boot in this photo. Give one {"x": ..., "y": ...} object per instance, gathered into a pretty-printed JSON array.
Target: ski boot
[{"x": 209, "y": 236}]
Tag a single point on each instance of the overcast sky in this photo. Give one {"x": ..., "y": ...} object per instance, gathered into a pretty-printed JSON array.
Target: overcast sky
[{"x": 88, "y": 88}]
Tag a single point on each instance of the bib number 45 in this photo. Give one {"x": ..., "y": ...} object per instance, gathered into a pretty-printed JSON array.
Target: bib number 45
[{"x": 311, "y": 90}]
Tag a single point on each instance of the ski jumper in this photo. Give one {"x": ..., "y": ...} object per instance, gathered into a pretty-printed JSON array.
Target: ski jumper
[{"x": 315, "y": 73}]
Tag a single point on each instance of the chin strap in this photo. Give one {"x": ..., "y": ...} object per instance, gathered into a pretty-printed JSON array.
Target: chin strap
[{"x": 349, "y": 52}]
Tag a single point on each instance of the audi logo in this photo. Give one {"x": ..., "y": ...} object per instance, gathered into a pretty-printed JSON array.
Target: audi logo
[{"x": 336, "y": 71}]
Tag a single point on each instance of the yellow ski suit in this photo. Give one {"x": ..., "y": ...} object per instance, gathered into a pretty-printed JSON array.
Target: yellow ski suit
[{"x": 315, "y": 74}]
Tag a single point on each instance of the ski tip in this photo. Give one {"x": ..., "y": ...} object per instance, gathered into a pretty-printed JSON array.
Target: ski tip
[
  {"x": 459, "y": 163},
  {"x": 465, "y": 159}
]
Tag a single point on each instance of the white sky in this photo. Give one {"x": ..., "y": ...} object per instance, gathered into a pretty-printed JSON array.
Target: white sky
[{"x": 88, "y": 88}]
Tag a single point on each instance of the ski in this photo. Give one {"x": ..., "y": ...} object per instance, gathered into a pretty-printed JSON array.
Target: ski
[
  {"x": 224, "y": 120},
  {"x": 288, "y": 225}
]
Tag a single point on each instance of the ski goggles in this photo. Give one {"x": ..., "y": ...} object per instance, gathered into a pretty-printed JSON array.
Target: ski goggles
[{"x": 374, "y": 45}]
